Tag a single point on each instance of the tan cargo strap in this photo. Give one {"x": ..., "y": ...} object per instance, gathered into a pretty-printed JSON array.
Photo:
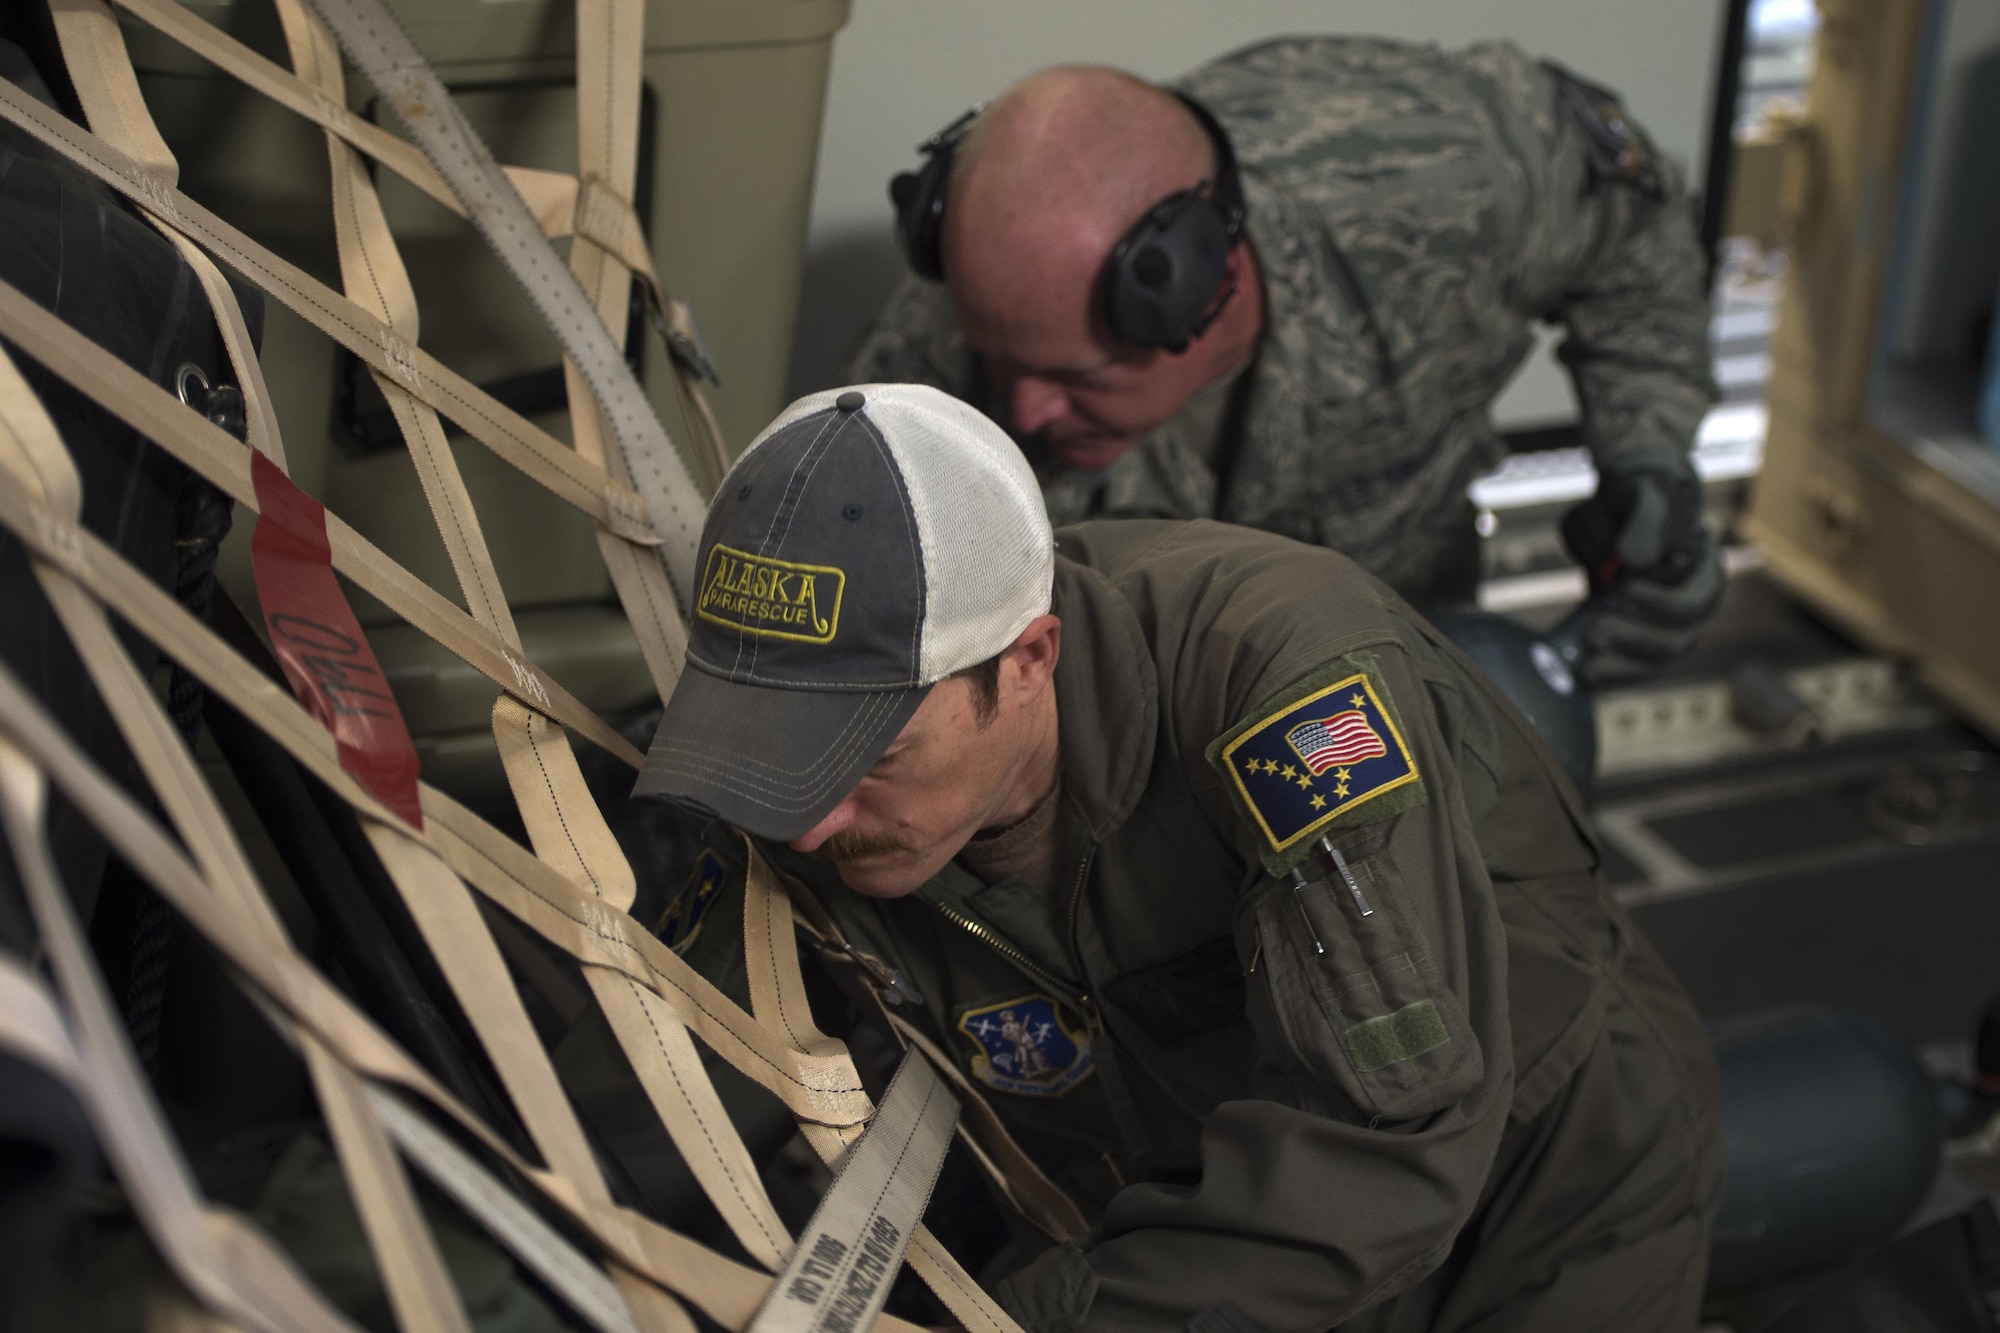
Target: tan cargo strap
[
  {"x": 159, "y": 621},
  {"x": 540, "y": 1246},
  {"x": 561, "y": 817},
  {"x": 30, "y": 1028},
  {"x": 102, "y": 75},
  {"x": 223, "y": 461},
  {"x": 232, "y": 1268},
  {"x": 639, "y": 579},
  {"x": 50, "y": 535},
  {"x": 562, "y": 205},
  {"x": 413, "y": 1271},
  {"x": 610, "y": 42},
  {"x": 562, "y": 820},
  {"x": 552, "y": 196},
  {"x": 438, "y": 901},
  {"x": 576, "y": 891},
  {"x": 815, "y": 1088},
  {"x": 725, "y": 1290},
  {"x": 386, "y": 57},
  {"x": 373, "y": 276},
  {"x": 570, "y": 835},
  {"x": 776, "y": 996},
  {"x": 578, "y": 482}
]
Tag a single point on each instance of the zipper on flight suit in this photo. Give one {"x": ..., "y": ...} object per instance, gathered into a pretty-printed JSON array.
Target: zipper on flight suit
[
  {"x": 993, "y": 940},
  {"x": 1118, "y": 1096},
  {"x": 1080, "y": 1000},
  {"x": 1084, "y": 1001}
]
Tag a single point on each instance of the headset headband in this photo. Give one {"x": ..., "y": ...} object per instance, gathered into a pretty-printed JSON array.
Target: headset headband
[{"x": 1163, "y": 283}]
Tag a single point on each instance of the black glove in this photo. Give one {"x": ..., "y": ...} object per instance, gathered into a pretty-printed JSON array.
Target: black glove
[{"x": 1655, "y": 572}]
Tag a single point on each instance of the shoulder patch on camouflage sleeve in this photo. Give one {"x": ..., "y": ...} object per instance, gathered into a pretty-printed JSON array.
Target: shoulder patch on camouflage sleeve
[
  {"x": 1326, "y": 752},
  {"x": 1619, "y": 149}
]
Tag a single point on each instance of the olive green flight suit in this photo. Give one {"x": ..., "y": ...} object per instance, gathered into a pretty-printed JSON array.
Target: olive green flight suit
[{"x": 1486, "y": 1105}]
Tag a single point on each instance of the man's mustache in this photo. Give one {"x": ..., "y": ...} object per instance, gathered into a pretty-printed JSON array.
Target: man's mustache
[{"x": 854, "y": 845}]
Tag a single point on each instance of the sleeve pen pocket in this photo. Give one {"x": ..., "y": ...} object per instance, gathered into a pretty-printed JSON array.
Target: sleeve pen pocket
[{"x": 1355, "y": 992}]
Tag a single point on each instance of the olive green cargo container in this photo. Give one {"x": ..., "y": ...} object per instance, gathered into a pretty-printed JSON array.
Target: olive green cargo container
[{"x": 729, "y": 133}]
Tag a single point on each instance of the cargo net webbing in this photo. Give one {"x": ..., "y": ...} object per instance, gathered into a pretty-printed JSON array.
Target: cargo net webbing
[{"x": 612, "y": 1266}]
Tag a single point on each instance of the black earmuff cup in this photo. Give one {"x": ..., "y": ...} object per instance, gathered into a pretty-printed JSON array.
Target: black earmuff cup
[
  {"x": 1163, "y": 282},
  {"x": 1168, "y": 272},
  {"x": 918, "y": 197}
]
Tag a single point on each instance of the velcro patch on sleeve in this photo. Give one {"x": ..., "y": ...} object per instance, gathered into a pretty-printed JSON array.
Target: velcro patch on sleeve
[
  {"x": 1414, "y": 1030},
  {"x": 1325, "y": 752}
]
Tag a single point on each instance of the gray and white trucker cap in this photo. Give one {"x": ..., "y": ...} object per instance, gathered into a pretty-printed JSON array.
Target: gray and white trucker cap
[{"x": 871, "y": 542}]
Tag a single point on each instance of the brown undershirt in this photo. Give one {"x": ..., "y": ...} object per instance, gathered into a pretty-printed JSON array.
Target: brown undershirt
[{"x": 1025, "y": 850}]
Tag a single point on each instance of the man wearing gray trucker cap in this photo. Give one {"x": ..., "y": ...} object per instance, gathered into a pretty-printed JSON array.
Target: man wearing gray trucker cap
[{"x": 1266, "y": 922}]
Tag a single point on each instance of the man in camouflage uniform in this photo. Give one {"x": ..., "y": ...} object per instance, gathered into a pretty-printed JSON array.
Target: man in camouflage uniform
[{"x": 1409, "y": 214}]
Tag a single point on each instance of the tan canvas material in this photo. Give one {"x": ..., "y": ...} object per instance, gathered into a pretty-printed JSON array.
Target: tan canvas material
[{"x": 575, "y": 887}]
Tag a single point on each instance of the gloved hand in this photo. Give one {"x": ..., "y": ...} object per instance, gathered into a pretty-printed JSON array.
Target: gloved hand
[{"x": 1655, "y": 571}]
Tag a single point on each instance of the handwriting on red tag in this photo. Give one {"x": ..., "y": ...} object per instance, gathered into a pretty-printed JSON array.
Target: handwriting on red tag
[{"x": 319, "y": 643}]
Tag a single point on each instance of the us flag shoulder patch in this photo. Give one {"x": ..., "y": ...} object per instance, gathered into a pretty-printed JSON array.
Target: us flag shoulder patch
[{"x": 1323, "y": 754}]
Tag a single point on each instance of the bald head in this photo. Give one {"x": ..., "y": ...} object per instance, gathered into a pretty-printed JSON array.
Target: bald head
[
  {"x": 1051, "y": 175},
  {"x": 1048, "y": 180}
]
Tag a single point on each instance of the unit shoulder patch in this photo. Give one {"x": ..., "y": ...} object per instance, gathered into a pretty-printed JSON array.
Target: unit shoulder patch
[
  {"x": 1619, "y": 149},
  {"x": 1327, "y": 751},
  {"x": 681, "y": 922},
  {"x": 1023, "y": 1046}
]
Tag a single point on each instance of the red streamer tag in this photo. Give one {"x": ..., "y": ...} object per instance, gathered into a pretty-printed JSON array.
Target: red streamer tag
[{"x": 319, "y": 643}]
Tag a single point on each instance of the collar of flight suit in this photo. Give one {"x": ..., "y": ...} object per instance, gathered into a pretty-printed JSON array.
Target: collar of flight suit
[{"x": 1107, "y": 698}]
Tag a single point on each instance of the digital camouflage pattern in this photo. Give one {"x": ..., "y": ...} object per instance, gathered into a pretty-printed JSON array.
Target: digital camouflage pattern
[{"x": 1414, "y": 211}]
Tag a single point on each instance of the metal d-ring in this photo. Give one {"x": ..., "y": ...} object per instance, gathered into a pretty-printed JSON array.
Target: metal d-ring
[{"x": 189, "y": 371}]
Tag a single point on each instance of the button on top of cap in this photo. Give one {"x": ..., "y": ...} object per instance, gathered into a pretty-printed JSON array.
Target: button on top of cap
[{"x": 850, "y": 401}]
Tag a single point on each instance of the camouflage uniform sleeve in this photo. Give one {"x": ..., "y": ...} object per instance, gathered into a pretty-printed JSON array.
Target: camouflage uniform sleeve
[
  {"x": 914, "y": 339},
  {"x": 1618, "y": 264}
]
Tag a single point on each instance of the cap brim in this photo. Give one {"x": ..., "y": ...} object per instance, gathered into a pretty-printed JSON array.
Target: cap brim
[{"x": 773, "y": 762}]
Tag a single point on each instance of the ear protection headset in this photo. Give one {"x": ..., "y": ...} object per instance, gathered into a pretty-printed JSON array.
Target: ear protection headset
[{"x": 1165, "y": 280}]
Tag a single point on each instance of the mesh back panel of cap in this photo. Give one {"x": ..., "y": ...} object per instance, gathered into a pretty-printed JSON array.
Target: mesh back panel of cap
[{"x": 989, "y": 556}]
